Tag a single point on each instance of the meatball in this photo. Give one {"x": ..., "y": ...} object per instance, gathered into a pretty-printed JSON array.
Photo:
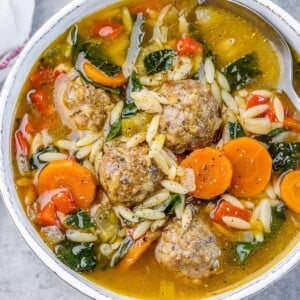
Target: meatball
[
  {"x": 191, "y": 120},
  {"x": 88, "y": 106},
  {"x": 191, "y": 252},
  {"x": 128, "y": 175}
]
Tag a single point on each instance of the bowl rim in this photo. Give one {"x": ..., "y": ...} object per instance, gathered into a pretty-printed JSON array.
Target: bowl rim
[{"x": 37, "y": 245}]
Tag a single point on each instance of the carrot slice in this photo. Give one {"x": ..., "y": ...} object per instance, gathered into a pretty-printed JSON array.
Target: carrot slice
[
  {"x": 71, "y": 175},
  {"x": 252, "y": 166},
  {"x": 213, "y": 172},
  {"x": 291, "y": 124},
  {"x": 97, "y": 76},
  {"x": 290, "y": 190},
  {"x": 137, "y": 250}
]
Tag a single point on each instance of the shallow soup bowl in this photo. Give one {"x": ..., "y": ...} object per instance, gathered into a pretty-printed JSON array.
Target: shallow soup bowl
[{"x": 58, "y": 24}]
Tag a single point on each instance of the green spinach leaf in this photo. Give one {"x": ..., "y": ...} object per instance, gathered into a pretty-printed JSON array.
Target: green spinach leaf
[
  {"x": 244, "y": 249},
  {"x": 236, "y": 130},
  {"x": 114, "y": 130},
  {"x": 267, "y": 138},
  {"x": 129, "y": 110},
  {"x": 80, "y": 220},
  {"x": 35, "y": 162},
  {"x": 158, "y": 61},
  {"x": 134, "y": 84},
  {"x": 285, "y": 155},
  {"x": 125, "y": 246},
  {"x": 77, "y": 256},
  {"x": 242, "y": 71},
  {"x": 174, "y": 201},
  {"x": 93, "y": 51}
]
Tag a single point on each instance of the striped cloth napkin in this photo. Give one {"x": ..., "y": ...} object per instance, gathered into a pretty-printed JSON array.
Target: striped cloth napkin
[{"x": 15, "y": 27}]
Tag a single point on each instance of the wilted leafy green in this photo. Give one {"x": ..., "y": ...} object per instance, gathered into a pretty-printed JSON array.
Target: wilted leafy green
[
  {"x": 244, "y": 249},
  {"x": 159, "y": 61},
  {"x": 236, "y": 130},
  {"x": 242, "y": 71},
  {"x": 80, "y": 220},
  {"x": 77, "y": 256}
]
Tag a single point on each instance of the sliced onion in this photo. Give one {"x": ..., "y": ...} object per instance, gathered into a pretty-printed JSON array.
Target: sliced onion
[
  {"x": 60, "y": 107},
  {"x": 157, "y": 35},
  {"x": 136, "y": 39}
]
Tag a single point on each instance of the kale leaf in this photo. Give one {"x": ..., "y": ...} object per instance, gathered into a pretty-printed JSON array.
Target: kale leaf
[
  {"x": 244, "y": 249},
  {"x": 236, "y": 130},
  {"x": 242, "y": 71},
  {"x": 77, "y": 256},
  {"x": 35, "y": 162},
  {"x": 158, "y": 61},
  {"x": 174, "y": 201},
  {"x": 114, "y": 130},
  {"x": 80, "y": 220},
  {"x": 124, "y": 248},
  {"x": 93, "y": 51},
  {"x": 267, "y": 138},
  {"x": 130, "y": 108},
  {"x": 285, "y": 155}
]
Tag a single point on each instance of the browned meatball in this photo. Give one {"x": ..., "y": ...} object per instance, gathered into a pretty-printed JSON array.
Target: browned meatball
[
  {"x": 128, "y": 175},
  {"x": 191, "y": 252},
  {"x": 192, "y": 120},
  {"x": 88, "y": 106}
]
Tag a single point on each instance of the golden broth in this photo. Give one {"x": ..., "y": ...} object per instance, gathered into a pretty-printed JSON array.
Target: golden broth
[{"x": 229, "y": 37}]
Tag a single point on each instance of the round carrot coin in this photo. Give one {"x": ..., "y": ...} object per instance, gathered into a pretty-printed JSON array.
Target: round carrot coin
[
  {"x": 252, "y": 166},
  {"x": 69, "y": 174},
  {"x": 213, "y": 172},
  {"x": 290, "y": 190}
]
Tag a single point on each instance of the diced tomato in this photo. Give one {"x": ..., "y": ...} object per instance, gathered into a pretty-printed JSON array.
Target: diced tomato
[
  {"x": 255, "y": 100},
  {"x": 108, "y": 30},
  {"x": 180, "y": 157},
  {"x": 39, "y": 99},
  {"x": 225, "y": 208},
  {"x": 42, "y": 77},
  {"x": 21, "y": 144},
  {"x": 48, "y": 215},
  {"x": 64, "y": 202},
  {"x": 146, "y": 7},
  {"x": 188, "y": 46},
  {"x": 270, "y": 113}
]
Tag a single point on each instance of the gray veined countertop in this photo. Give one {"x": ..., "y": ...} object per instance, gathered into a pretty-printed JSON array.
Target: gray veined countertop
[{"x": 24, "y": 276}]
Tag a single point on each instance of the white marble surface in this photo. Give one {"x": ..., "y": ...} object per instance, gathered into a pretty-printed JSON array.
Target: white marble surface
[{"x": 24, "y": 276}]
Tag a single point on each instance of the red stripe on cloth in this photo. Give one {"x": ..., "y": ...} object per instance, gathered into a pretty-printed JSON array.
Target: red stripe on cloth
[{"x": 7, "y": 58}]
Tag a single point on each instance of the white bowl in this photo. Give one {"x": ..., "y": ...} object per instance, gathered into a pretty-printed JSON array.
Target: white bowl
[{"x": 288, "y": 26}]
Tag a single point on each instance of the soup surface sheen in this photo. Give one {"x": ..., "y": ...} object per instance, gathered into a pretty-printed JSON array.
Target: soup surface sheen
[{"x": 83, "y": 148}]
